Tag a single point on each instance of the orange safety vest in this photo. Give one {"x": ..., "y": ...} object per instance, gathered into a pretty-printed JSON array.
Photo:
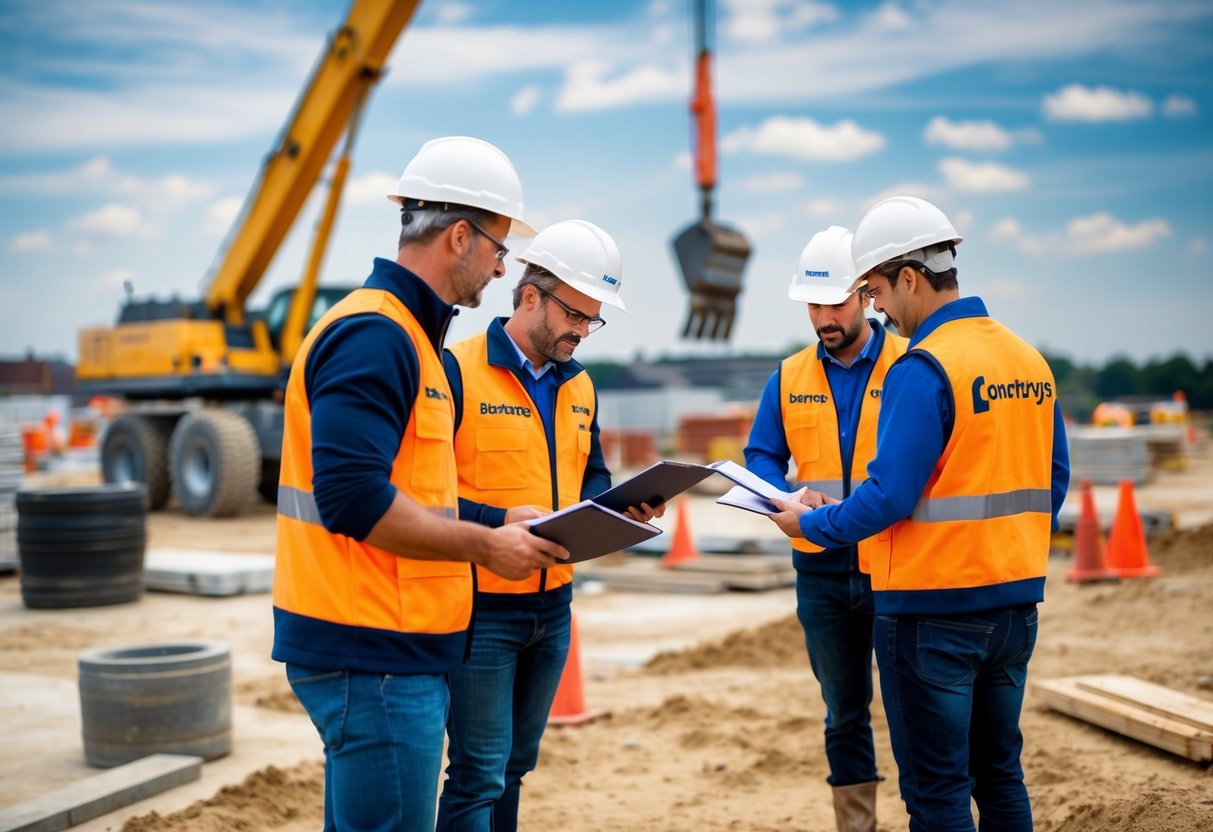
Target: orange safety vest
[
  {"x": 344, "y": 602},
  {"x": 810, "y": 422},
  {"x": 984, "y": 516},
  {"x": 503, "y": 455}
]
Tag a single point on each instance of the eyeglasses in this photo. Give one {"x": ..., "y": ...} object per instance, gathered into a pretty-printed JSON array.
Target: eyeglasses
[
  {"x": 576, "y": 318},
  {"x": 502, "y": 251}
]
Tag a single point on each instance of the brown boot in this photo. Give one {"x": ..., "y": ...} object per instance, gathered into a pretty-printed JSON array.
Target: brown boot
[{"x": 855, "y": 807}]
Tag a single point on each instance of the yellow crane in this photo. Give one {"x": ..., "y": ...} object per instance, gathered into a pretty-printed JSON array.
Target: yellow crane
[{"x": 202, "y": 377}]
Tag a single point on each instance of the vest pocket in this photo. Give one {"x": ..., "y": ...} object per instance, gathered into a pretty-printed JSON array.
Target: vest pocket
[
  {"x": 501, "y": 458},
  {"x": 803, "y": 439},
  {"x": 433, "y": 452}
]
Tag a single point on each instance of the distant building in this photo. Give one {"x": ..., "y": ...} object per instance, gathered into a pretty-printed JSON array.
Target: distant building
[{"x": 31, "y": 376}]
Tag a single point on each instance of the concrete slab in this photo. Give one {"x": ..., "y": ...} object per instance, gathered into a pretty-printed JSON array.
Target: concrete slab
[
  {"x": 101, "y": 793},
  {"x": 200, "y": 572}
]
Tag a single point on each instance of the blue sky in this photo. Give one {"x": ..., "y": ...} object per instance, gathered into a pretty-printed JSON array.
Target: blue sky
[{"x": 1070, "y": 142}]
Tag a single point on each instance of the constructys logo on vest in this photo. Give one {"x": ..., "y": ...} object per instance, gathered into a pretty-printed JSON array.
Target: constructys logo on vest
[
  {"x": 487, "y": 409},
  {"x": 807, "y": 398},
  {"x": 984, "y": 394}
]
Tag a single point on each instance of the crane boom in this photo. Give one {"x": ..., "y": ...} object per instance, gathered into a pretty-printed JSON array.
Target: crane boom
[{"x": 351, "y": 63}]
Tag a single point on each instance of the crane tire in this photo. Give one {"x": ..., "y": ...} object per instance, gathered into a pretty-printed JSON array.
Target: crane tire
[
  {"x": 135, "y": 449},
  {"x": 215, "y": 462}
]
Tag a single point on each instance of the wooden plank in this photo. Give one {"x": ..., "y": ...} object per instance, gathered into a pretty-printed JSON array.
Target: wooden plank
[
  {"x": 1156, "y": 699},
  {"x": 738, "y": 564},
  {"x": 1069, "y": 697},
  {"x": 652, "y": 580},
  {"x": 101, "y": 793}
]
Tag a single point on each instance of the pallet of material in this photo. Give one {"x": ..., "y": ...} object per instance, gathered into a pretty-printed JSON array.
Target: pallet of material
[
  {"x": 1163, "y": 717},
  {"x": 704, "y": 574}
]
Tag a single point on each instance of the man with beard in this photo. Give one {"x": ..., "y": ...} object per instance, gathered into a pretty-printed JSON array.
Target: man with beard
[
  {"x": 527, "y": 443},
  {"x": 971, "y": 470},
  {"x": 820, "y": 409},
  {"x": 372, "y": 585}
]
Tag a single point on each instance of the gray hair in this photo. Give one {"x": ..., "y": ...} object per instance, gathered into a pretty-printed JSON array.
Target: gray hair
[
  {"x": 421, "y": 224},
  {"x": 536, "y": 276}
]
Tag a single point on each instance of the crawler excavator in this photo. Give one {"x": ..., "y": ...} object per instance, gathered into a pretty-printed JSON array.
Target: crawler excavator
[{"x": 202, "y": 379}]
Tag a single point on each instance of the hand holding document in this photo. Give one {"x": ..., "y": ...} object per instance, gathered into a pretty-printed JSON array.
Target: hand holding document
[
  {"x": 589, "y": 530},
  {"x": 752, "y": 492}
]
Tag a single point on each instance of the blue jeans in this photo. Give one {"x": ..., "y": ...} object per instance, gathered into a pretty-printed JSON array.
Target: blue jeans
[
  {"x": 382, "y": 746},
  {"x": 500, "y": 700},
  {"x": 836, "y": 612},
  {"x": 953, "y": 689}
]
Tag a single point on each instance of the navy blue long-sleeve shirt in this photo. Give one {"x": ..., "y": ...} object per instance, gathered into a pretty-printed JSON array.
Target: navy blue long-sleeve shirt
[
  {"x": 916, "y": 420},
  {"x": 361, "y": 377},
  {"x": 767, "y": 452}
]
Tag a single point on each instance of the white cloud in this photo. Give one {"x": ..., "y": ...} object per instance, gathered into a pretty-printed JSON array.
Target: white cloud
[
  {"x": 803, "y": 139},
  {"x": 30, "y": 242},
  {"x": 370, "y": 189},
  {"x": 892, "y": 18},
  {"x": 221, "y": 215},
  {"x": 453, "y": 11},
  {"x": 1102, "y": 233},
  {"x": 109, "y": 221},
  {"x": 1177, "y": 106},
  {"x": 1197, "y": 246},
  {"x": 587, "y": 87},
  {"x": 967, "y": 135},
  {"x": 1096, "y": 104},
  {"x": 1009, "y": 230},
  {"x": 760, "y": 225},
  {"x": 823, "y": 206},
  {"x": 525, "y": 100},
  {"x": 981, "y": 177},
  {"x": 761, "y": 21},
  {"x": 773, "y": 182}
]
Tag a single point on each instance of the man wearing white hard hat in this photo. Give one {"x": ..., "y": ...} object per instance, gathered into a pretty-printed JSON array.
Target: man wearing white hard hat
[
  {"x": 526, "y": 443},
  {"x": 373, "y": 579},
  {"x": 819, "y": 410},
  {"x": 971, "y": 470}
]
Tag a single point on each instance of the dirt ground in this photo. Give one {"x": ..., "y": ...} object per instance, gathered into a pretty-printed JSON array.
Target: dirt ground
[{"x": 723, "y": 732}]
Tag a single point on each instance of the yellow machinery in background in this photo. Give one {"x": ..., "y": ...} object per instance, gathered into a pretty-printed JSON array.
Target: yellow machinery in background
[{"x": 201, "y": 378}]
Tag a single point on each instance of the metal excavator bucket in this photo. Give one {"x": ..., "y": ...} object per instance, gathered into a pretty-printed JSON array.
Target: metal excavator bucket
[{"x": 712, "y": 258}]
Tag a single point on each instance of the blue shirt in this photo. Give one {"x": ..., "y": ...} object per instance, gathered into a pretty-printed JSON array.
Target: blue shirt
[
  {"x": 916, "y": 420},
  {"x": 767, "y": 452},
  {"x": 503, "y": 352},
  {"x": 361, "y": 377}
]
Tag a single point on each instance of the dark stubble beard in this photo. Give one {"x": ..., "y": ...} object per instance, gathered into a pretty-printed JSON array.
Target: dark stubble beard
[
  {"x": 549, "y": 344},
  {"x": 849, "y": 333},
  {"x": 468, "y": 285}
]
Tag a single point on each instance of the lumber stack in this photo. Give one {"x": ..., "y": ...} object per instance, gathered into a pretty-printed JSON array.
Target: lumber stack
[
  {"x": 1163, "y": 717},
  {"x": 705, "y": 574}
]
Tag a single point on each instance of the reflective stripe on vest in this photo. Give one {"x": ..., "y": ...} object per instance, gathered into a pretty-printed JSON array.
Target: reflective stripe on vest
[
  {"x": 984, "y": 515},
  {"x": 810, "y": 421},
  {"x": 502, "y": 452},
  {"x": 343, "y": 601},
  {"x": 301, "y": 505}
]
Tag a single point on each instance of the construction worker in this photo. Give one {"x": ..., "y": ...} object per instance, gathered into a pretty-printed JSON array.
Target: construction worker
[
  {"x": 372, "y": 586},
  {"x": 820, "y": 410},
  {"x": 970, "y": 471},
  {"x": 526, "y": 443}
]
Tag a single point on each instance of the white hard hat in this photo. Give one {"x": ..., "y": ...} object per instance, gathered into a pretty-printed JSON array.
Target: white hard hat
[
  {"x": 901, "y": 226},
  {"x": 461, "y": 170},
  {"x": 582, "y": 255},
  {"x": 825, "y": 273}
]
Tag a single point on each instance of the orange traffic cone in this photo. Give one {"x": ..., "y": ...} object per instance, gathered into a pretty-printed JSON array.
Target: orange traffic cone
[
  {"x": 1127, "y": 552},
  {"x": 1089, "y": 565},
  {"x": 568, "y": 708},
  {"x": 682, "y": 549}
]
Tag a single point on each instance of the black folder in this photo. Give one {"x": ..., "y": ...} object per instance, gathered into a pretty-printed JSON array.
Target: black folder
[{"x": 589, "y": 530}]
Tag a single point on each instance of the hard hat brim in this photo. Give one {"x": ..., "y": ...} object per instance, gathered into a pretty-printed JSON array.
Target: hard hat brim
[{"x": 820, "y": 295}]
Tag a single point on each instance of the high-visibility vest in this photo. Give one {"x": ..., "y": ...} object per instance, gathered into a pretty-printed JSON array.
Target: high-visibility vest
[
  {"x": 981, "y": 525},
  {"x": 810, "y": 423},
  {"x": 340, "y": 602},
  {"x": 503, "y": 454}
]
